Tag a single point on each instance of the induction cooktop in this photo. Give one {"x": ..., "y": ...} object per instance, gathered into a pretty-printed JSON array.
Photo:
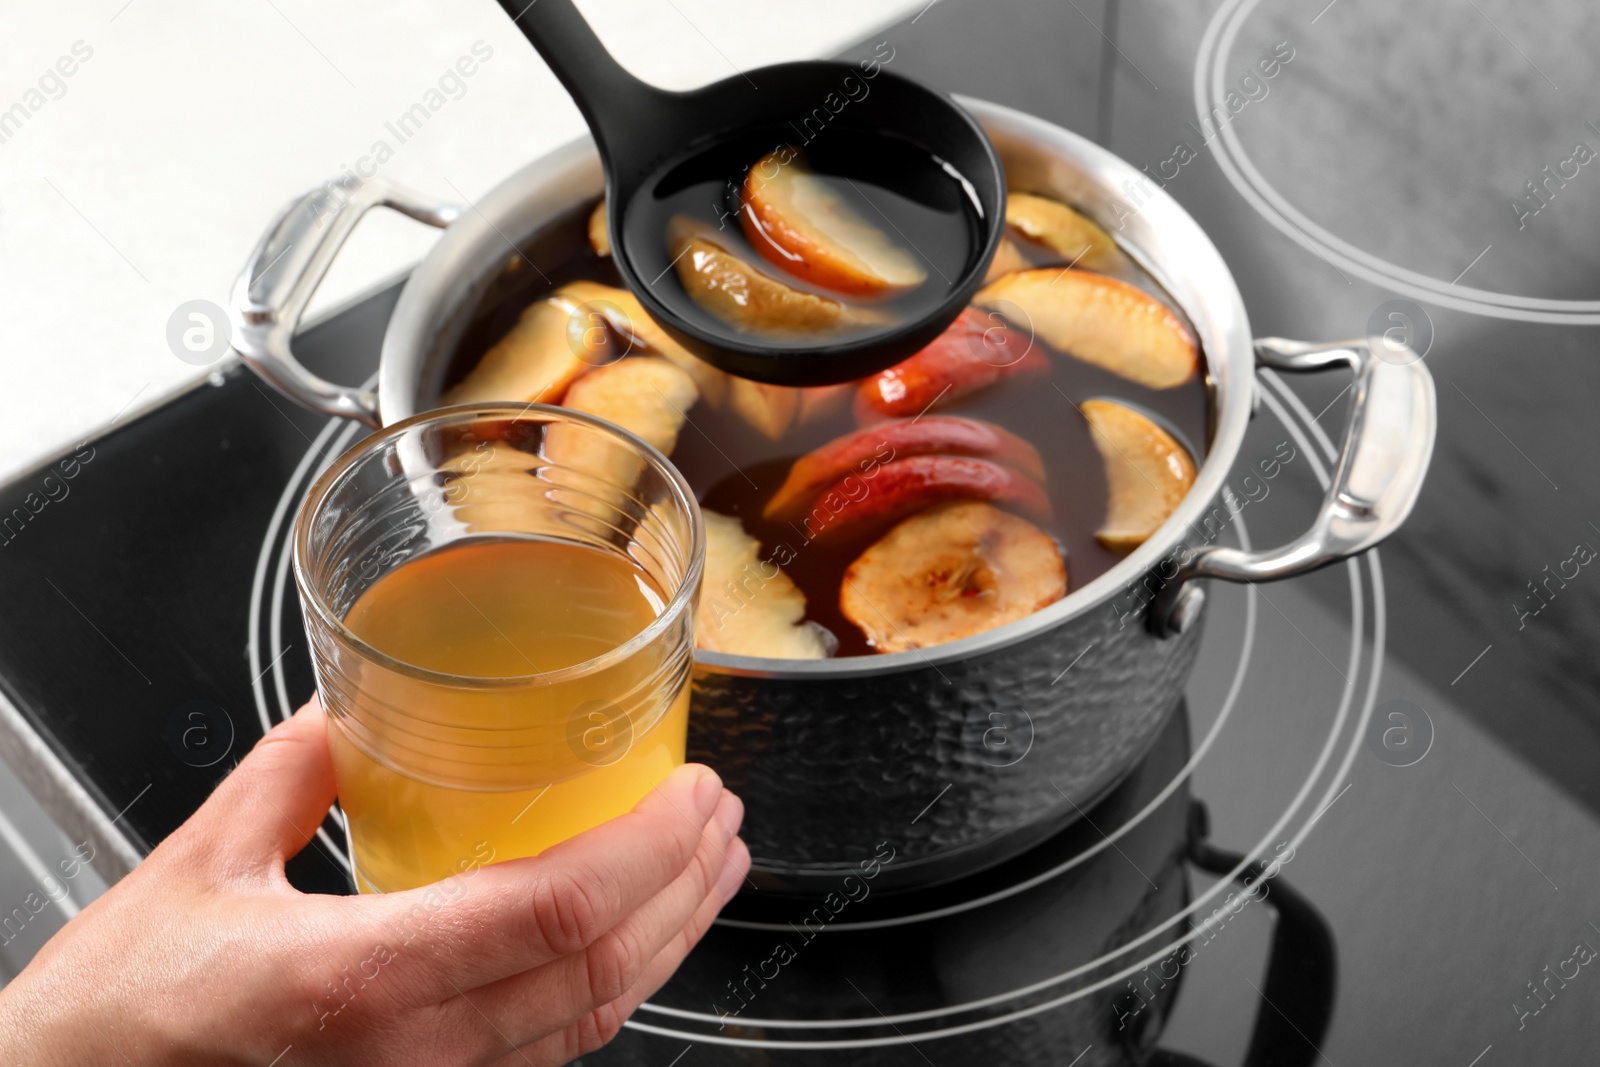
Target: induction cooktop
[{"x": 1370, "y": 835}]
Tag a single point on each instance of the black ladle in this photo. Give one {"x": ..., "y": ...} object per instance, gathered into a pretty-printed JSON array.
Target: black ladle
[{"x": 639, "y": 128}]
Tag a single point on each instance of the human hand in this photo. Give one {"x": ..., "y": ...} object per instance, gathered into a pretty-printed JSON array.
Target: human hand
[{"x": 206, "y": 955}]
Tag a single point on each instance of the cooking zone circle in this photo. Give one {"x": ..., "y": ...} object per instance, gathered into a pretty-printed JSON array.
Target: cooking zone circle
[
  {"x": 1216, "y": 78},
  {"x": 1313, "y": 794}
]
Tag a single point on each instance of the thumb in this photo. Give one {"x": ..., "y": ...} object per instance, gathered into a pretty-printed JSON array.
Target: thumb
[{"x": 270, "y": 807}]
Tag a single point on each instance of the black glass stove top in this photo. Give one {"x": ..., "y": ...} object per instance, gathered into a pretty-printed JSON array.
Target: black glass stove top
[{"x": 1413, "y": 736}]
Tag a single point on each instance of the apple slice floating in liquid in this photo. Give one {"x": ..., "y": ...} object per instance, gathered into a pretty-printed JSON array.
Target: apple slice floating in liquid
[
  {"x": 976, "y": 350},
  {"x": 950, "y": 572},
  {"x": 1147, "y": 470},
  {"x": 856, "y": 504},
  {"x": 1064, "y": 231},
  {"x": 862, "y": 452},
  {"x": 799, "y": 222},
  {"x": 644, "y": 395},
  {"x": 545, "y": 352},
  {"x": 748, "y": 606},
  {"x": 622, "y": 311},
  {"x": 649, "y": 397},
  {"x": 1099, "y": 320}
]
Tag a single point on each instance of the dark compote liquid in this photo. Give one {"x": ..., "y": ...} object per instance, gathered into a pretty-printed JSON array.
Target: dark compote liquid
[
  {"x": 919, "y": 202},
  {"x": 735, "y": 468}
]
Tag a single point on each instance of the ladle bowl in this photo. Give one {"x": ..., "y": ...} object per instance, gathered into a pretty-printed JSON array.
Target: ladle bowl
[{"x": 639, "y": 128}]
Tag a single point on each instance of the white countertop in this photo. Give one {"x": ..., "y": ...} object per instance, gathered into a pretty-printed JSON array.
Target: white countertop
[{"x": 142, "y": 179}]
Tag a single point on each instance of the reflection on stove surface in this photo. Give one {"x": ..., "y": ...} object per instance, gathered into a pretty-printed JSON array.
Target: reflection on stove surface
[{"x": 1036, "y": 961}]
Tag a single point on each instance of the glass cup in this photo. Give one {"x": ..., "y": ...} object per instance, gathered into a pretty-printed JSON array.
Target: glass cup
[{"x": 441, "y": 772}]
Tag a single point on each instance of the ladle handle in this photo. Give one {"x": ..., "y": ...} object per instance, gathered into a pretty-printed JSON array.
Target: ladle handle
[{"x": 620, "y": 109}]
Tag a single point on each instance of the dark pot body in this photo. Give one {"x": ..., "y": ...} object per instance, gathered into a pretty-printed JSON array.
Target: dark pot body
[
  {"x": 956, "y": 765},
  {"x": 1005, "y": 942}
]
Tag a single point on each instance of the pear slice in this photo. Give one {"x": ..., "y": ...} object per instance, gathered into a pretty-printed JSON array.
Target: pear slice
[
  {"x": 748, "y": 606},
  {"x": 800, "y": 223},
  {"x": 599, "y": 235},
  {"x": 749, "y": 300},
  {"x": 950, "y": 572},
  {"x": 1147, "y": 471},
  {"x": 1099, "y": 320},
  {"x": 622, "y": 311},
  {"x": 545, "y": 352},
  {"x": 1064, "y": 231}
]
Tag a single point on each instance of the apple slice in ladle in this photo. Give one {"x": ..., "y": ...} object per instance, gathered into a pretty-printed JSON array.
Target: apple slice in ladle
[
  {"x": 802, "y": 224},
  {"x": 748, "y": 299}
]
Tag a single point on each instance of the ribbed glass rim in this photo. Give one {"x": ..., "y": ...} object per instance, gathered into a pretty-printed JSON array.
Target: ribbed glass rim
[{"x": 681, "y": 496}]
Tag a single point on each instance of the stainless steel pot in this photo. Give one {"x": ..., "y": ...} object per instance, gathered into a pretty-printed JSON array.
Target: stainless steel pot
[{"x": 833, "y": 757}]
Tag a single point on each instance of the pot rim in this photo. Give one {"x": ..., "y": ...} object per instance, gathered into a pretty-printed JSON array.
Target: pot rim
[{"x": 1165, "y": 241}]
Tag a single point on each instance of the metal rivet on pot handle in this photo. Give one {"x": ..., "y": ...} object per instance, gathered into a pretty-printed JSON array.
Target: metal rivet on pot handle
[
  {"x": 1387, "y": 444},
  {"x": 284, "y": 270}
]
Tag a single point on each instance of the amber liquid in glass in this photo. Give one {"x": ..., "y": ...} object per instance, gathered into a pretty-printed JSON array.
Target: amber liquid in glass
[{"x": 465, "y": 774}]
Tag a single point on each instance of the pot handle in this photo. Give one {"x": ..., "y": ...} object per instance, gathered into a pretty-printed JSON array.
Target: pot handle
[
  {"x": 1388, "y": 441},
  {"x": 286, "y": 267}
]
